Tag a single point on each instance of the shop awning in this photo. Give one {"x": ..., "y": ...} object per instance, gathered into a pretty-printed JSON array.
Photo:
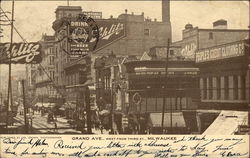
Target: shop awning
[{"x": 177, "y": 119}]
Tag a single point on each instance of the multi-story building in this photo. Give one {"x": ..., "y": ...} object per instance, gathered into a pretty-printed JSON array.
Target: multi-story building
[
  {"x": 195, "y": 38},
  {"x": 219, "y": 76},
  {"x": 44, "y": 80},
  {"x": 139, "y": 34}
]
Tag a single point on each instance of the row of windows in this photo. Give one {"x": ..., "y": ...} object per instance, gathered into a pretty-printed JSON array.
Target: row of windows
[
  {"x": 223, "y": 88},
  {"x": 75, "y": 78},
  {"x": 156, "y": 104}
]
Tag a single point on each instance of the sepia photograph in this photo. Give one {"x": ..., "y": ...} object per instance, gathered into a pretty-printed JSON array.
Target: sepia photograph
[{"x": 160, "y": 67}]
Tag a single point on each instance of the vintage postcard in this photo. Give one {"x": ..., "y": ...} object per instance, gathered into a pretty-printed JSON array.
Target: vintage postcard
[{"x": 146, "y": 78}]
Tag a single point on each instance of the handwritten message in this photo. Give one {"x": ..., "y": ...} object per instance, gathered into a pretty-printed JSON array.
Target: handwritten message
[{"x": 169, "y": 146}]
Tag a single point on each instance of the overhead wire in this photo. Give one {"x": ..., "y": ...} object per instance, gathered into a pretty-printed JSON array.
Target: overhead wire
[{"x": 53, "y": 83}]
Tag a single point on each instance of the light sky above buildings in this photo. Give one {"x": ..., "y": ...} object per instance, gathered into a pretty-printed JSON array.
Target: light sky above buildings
[{"x": 33, "y": 18}]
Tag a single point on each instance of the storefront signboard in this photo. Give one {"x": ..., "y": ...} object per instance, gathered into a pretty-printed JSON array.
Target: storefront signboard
[{"x": 221, "y": 52}]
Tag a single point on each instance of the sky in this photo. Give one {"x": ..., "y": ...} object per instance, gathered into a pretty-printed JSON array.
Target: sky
[{"x": 33, "y": 18}]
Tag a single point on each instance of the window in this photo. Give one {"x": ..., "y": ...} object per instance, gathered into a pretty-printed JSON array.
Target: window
[
  {"x": 226, "y": 87},
  {"x": 235, "y": 88},
  {"x": 146, "y": 32},
  {"x": 211, "y": 35},
  {"x": 51, "y": 60},
  {"x": 52, "y": 75},
  {"x": 151, "y": 104},
  {"x": 243, "y": 87},
  {"x": 210, "y": 87},
  {"x": 218, "y": 84},
  {"x": 204, "y": 88}
]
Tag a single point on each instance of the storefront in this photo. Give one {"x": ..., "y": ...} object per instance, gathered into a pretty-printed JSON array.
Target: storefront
[
  {"x": 224, "y": 76},
  {"x": 150, "y": 88}
]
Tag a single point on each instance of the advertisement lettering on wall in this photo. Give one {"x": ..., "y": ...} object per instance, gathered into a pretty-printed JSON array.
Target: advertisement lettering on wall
[
  {"x": 83, "y": 40},
  {"x": 222, "y": 52},
  {"x": 20, "y": 53},
  {"x": 188, "y": 50}
]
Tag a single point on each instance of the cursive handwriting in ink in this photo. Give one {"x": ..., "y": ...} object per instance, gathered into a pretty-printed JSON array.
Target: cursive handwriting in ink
[
  {"x": 40, "y": 142},
  {"x": 155, "y": 144},
  {"x": 232, "y": 154},
  {"x": 16, "y": 143},
  {"x": 42, "y": 153},
  {"x": 115, "y": 145},
  {"x": 60, "y": 144},
  {"x": 137, "y": 144},
  {"x": 8, "y": 151},
  {"x": 25, "y": 152},
  {"x": 221, "y": 147}
]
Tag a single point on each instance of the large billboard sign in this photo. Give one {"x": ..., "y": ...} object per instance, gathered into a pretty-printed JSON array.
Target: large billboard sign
[
  {"x": 220, "y": 52},
  {"x": 82, "y": 38},
  {"x": 109, "y": 31},
  {"x": 20, "y": 53}
]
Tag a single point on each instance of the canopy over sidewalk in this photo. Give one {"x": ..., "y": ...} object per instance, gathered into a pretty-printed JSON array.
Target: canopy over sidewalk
[{"x": 227, "y": 123}]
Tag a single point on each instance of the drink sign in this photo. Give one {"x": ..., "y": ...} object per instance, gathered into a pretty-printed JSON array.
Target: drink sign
[
  {"x": 20, "y": 53},
  {"x": 81, "y": 31}
]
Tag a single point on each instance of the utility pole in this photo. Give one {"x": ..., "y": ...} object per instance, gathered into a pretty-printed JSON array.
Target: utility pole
[
  {"x": 87, "y": 101},
  {"x": 9, "y": 86},
  {"x": 112, "y": 108},
  {"x": 165, "y": 89},
  {"x": 25, "y": 110}
]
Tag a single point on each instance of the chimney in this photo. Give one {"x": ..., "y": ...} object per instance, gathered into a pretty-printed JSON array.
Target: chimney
[
  {"x": 220, "y": 24},
  {"x": 165, "y": 10},
  {"x": 126, "y": 11}
]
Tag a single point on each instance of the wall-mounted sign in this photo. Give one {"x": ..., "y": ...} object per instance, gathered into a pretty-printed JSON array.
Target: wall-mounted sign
[
  {"x": 109, "y": 31},
  {"x": 94, "y": 15},
  {"x": 188, "y": 50},
  {"x": 20, "y": 53},
  {"x": 137, "y": 98},
  {"x": 220, "y": 52}
]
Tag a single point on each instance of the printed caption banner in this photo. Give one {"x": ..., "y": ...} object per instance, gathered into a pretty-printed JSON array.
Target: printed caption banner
[{"x": 186, "y": 146}]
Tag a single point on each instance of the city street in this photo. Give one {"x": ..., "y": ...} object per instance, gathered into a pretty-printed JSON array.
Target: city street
[{"x": 40, "y": 125}]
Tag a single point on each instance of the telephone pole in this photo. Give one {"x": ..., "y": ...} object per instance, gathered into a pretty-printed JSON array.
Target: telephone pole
[
  {"x": 10, "y": 103},
  {"x": 165, "y": 89}
]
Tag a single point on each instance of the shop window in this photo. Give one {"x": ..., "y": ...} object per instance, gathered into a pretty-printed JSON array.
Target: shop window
[
  {"x": 243, "y": 87},
  {"x": 143, "y": 104},
  {"x": 159, "y": 104},
  {"x": 226, "y": 87},
  {"x": 218, "y": 86},
  {"x": 146, "y": 32},
  {"x": 210, "y": 87},
  {"x": 151, "y": 104},
  {"x": 204, "y": 88},
  {"x": 211, "y": 35},
  {"x": 235, "y": 87}
]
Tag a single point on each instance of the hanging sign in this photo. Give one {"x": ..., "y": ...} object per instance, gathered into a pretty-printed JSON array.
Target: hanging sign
[{"x": 20, "y": 53}]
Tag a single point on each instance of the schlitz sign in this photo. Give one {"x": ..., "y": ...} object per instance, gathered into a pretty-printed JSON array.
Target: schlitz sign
[
  {"x": 110, "y": 30},
  {"x": 20, "y": 53},
  {"x": 82, "y": 39}
]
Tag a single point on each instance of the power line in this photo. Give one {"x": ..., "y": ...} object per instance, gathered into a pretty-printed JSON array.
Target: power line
[
  {"x": 39, "y": 63},
  {"x": 13, "y": 26}
]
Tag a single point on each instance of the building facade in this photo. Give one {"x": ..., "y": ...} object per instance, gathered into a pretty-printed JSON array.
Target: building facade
[
  {"x": 224, "y": 77},
  {"x": 44, "y": 80}
]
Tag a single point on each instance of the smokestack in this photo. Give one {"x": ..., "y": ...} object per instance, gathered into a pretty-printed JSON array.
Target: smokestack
[{"x": 165, "y": 10}]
